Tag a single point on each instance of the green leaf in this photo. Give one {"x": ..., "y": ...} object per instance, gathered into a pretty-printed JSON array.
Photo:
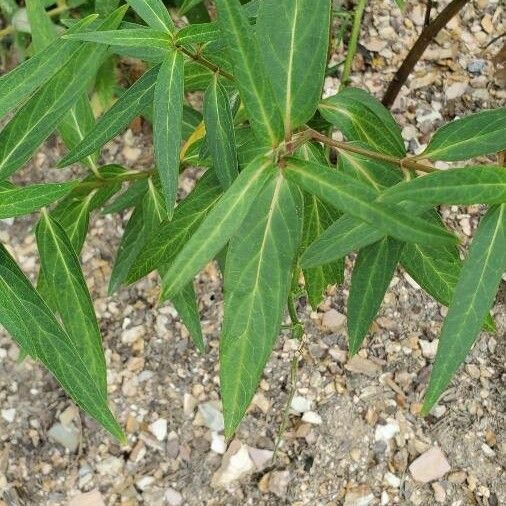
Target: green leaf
[
  {"x": 38, "y": 117},
  {"x": 351, "y": 196},
  {"x": 171, "y": 236},
  {"x": 41, "y": 28},
  {"x": 470, "y": 185},
  {"x": 317, "y": 217},
  {"x": 143, "y": 37},
  {"x": 257, "y": 282},
  {"x": 130, "y": 105},
  {"x": 372, "y": 274},
  {"x": 185, "y": 303},
  {"x": 23, "y": 80},
  {"x": 167, "y": 128},
  {"x": 144, "y": 221},
  {"x": 32, "y": 325},
  {"x": 250, "y": 74},
  {"x": 478, "y": 134},
  {"x": 217, "y": 228},
  {"x": 474, "y": 295},
  {"x": 187, "y": 5},
  {"x": 69, "y": 293},
  {"x": 220, "y": 133},
  {"x": 154, "y": 13},
  {"x": 293, "y": 36},
  {"x": 363, "y": 118},
  {"x": 16, "y": 201},
  {"x": 401, "y": 4},
  {"x": 129, "y": 198},
  {"x": 197, "y": 34}
]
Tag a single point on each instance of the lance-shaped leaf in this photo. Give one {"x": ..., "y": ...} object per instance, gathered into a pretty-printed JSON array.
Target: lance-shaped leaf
[
  {"x": 23, "y": 80},
  {"x": 144, "y": 221},
  {"x": 32, "y": 325},
  {"x": 171, "y": 236},
  {"x": 437, "y": 272},
  {"x": 249, "y": 72},
  {"x": 478, "y": 134},
  {"x": 372, "y": 274},
  {"x": 38, "y": 117},
  {"x": 79, "y": 120},
  {"x": 293, "y": 36},
  {"x": 167, "y": 124},
  {"x": 470, "y": 185},
  {"x": 69, "y": 293},
  {"x": 200, "y": 33},
  {"x": 363, "y": 118},
  {"x": 142, "y": 37},
  {"x": 217, "y": 228},
  {"x": 351, "y": 196},
  {"x": 130, "y": 105},
  {"x": 220, "y": 133},
  {"x": 188, "y": 5},
  {"x": 154, "y": 13},
  {"x": 473, "y": 297},
  {"x": 16, "y": 201},
  {"x": 257, "y": 281}
]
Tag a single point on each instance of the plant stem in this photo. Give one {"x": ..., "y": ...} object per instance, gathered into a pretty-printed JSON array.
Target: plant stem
[
  {"x": 352, "y": 46},
  {"x": 53, "y": 12},
  {"x": 403, "y": 163},
  {"x": 127, "y": 176},
  {"x": 416, "y": 52},
  {"x": 205, "y": 63}
]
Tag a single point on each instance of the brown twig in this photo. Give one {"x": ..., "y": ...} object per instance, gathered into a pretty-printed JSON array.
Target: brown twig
[
  {"x": 428, "y": 11},
  {"x": 403, "y": 163},
  {"x": 416, "y": 52}
]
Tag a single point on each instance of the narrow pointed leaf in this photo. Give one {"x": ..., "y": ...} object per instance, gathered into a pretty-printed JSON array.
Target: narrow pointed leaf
[
  {"x": 220, "y": 133},
  {"x": 482, "y": 184},
  {"x": 70, "y": 294},
  {"x": 363, "y": 118},
  {"x": 249, "y": 71},
  {"x": 129, "y": 198},
  {"x": 144, "y": 221},
  {"x": 188, "y": 5},
  {"x": 167, "y": 124},
  {"x": 171, "y": 236},
  {"x": 142, "y": 37},
  {"x": 32, "y": 325},
  {"x": 17, "y": 85},
  {"x": 197, "y": 34},
  {"x": 474, "y": 295},
  {"x": 293, "y": 36},
  {"x": 217, "y": 228},
  {"x": 17, "y": 201},
  {"x": 38, "y": 117},
  {"x": 257, "y": 282},
  {"x": 353, "y": 197},
  {"x": 154, "y": 13},
  {"x": 372, "y": 274},
  {"x": 478, "y": 134},
  {"x": 130, "y": 105}
]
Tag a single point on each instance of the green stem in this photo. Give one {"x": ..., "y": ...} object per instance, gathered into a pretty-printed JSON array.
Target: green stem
[
  {"x": 352, "y": 46},
  {"x": 122, "y": 178},
  {"x": 205, "y": 62}
]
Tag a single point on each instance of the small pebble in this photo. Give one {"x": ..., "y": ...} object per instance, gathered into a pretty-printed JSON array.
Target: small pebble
[
  {"x": 429, "y": 466},
  {"x": 312, "y": 417},
  {"x": 159, "y": 429}
]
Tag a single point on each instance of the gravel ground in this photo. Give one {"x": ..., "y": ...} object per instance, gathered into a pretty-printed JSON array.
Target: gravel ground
[{"x": 354, "y": 436}]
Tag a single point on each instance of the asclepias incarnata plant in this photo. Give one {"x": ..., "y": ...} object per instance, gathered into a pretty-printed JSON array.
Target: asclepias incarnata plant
[{"x": 271, "y": 206}]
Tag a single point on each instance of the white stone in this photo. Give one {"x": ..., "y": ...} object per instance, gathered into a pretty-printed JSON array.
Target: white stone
[
  {"x": 9, "y": 414},
  {"x": 455, "y": 90},
  {"x": 312, "y": 417},
  {"x": 159, "y": 429},
  {"x": 110, "y": 466},
  {"x": 144, "y": 482},
  {"x": 429, "y": 466},
  {"x": 236, "y": 463},
  {"x": 218, "y": 444},
  {"x": 93, "y": 498},
  {"x": 387, "y": 431},
  {"x": 66, "y": 435},
  {"x": 260, "y": 457},
  {"x": 392, "y": 480},
  {"x": 132, "y": 334},
  {"x": 333, "y": 320},
  {"x": 212, "y": 416},
  {"x": 429, "y": 348},
  {"x": 173, "y": 497},
  {"x": 300, "y": 404},
  {"x": 359, "y": 496},
  {"x": 361, "y": 365}
]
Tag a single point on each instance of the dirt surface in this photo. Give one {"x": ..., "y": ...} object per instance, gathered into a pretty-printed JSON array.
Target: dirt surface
[{"x": 355, "y": 430}]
